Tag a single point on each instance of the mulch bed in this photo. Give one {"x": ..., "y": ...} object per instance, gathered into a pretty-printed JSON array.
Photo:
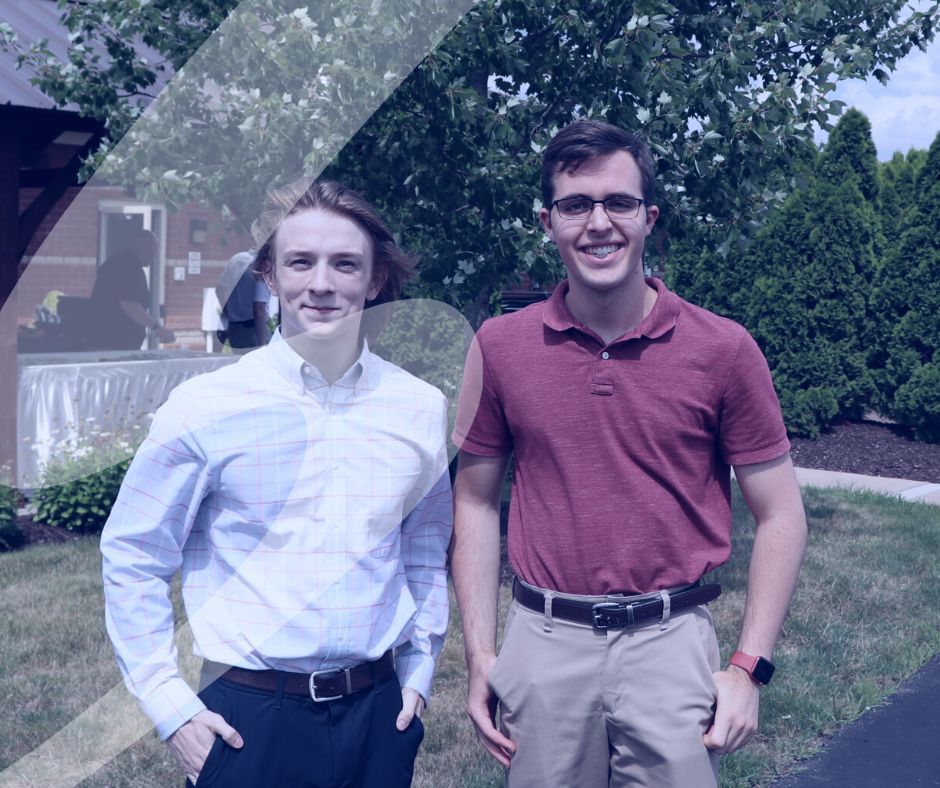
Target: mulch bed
[
  {"x": 870, "y": 448},
  {"x": 32, "y": 532},
  {"x": 867, "y": 447}
]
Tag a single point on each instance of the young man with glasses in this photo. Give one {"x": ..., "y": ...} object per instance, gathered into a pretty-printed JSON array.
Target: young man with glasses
[{"x": 625, "y": 408}]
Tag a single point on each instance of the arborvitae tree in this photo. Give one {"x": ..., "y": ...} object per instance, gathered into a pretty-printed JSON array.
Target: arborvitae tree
[
  {"x": 704, "y": 268},
  {"x": 807, "y": 307},
  {"x": 712, "y": 266},
  {"x": 896, "y": 191},
  {"x": 888, "y": 301},
  {"x": 851, "y": 151},
  {"x": 912, "y": 375}
]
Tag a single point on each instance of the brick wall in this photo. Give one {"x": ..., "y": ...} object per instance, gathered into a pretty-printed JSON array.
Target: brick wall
[{"x": 63, "y": 256}]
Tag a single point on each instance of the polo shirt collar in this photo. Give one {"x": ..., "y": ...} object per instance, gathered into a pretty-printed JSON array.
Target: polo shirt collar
[
  {"x": 661, "y": 319},
  {"x": 300, "y": 373}
]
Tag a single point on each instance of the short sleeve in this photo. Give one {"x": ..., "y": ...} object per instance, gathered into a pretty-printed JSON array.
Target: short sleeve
[
  {"x": 751, "y": 424},
  {"x": 481, "y": 427}
]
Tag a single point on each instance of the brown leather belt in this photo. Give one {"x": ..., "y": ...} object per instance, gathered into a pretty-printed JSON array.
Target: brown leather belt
[
  {"x": 321, "y": 685},
  {"x": 616, "y": 614}
]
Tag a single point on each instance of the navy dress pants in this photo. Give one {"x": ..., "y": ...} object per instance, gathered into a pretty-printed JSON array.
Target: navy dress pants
[{"x": 294, "y": 742}]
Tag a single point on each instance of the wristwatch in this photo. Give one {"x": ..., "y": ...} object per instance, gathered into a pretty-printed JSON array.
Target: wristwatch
[{"x": 760, "y": 670}]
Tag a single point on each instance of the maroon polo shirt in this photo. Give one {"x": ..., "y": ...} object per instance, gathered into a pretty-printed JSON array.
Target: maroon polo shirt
[{"x": 623, "y": 450}]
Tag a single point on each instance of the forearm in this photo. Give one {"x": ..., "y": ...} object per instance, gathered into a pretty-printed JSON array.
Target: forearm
[
  {"x": 779, "y": 545},
  {"x": 139, "y": 315},
  {"x": 426, "y": 534},
  {"x": 773, "y": 496},
  {"x": 141, "y": 547},
  {"x": 139, "y": 621},
  {"x": 475, "y": 572}
]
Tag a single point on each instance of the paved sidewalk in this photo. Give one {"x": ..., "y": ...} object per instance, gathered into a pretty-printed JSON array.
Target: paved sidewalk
[
  {"x": 906, "y": 489},
  {"x": 896, "y": 744}
]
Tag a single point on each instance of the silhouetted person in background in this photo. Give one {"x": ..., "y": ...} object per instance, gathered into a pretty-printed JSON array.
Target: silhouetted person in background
[{"x": 119, "y": 316}]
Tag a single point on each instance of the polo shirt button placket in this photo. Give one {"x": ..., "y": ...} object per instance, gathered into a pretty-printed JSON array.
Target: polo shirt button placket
[{"x": 603, "y": 387}]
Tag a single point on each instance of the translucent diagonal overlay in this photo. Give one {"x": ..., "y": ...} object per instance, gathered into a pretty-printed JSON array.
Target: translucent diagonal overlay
[
  {"x": 429, "y": 339},
  {"x": 273, "y": 94},
  {"x": 329, "y": 66}
]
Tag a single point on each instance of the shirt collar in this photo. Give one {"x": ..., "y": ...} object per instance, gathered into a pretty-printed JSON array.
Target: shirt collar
[
  {"x": 661, "y": 319},
  {"x": 301, "y": 374}
]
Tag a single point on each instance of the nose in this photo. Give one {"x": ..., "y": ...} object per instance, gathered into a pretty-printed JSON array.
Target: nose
[
  {"x": 319, "y": 281},
  {"x": 598, "y": 220}
]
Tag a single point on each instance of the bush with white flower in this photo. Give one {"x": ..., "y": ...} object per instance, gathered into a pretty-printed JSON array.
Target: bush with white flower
[{"x": 80, "y": 481}]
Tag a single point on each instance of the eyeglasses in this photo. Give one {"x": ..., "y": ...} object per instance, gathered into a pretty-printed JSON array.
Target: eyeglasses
[{"x": 617, "y": 206}]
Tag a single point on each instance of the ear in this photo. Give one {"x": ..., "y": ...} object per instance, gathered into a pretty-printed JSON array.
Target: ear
[
  {"x": 379, "y": 277},
  {"x": 652, "y": 214},
  {"x": 545, "y": 219},
  {"x": 269, "y": 278}
]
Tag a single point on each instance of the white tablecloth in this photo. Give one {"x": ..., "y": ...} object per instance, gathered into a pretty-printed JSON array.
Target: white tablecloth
[{"x": 65, "y": 395}]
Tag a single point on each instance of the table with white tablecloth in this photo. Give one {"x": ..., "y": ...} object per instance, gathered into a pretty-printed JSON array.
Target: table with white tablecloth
[{"x": 62, "y": 396}]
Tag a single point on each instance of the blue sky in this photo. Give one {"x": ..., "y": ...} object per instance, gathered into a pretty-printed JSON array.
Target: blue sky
[{"x": 905, "y": 113}]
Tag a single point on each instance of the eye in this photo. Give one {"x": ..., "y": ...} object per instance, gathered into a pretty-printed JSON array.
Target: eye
[
  {"x": 574, "y": 205},
  {"x": 347, "y": 265},
  {"x": 622, "y": 204},
  {"x": 298, "y": 263}
]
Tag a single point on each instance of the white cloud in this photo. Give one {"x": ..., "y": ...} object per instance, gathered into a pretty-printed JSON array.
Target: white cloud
[{"x": 905, "y": 113}]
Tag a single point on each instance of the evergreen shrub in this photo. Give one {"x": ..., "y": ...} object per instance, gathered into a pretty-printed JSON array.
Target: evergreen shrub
[
  {"x": 9, "y": 533},
  {"x": 80, "y": 482},
  {"x": 908, "y": 303}
]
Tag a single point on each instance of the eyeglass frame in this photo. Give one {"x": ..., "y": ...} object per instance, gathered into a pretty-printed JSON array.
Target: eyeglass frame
[{"x": 642, "y": 203}]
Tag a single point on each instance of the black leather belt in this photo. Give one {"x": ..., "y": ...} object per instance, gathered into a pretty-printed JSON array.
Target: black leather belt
[
  {"x": 320, "y": 685},
  {"x": 616, "y": 615}
]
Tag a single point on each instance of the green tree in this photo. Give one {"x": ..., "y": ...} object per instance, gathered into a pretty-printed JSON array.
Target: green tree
[
  {"x": 910, "y": 295},
  {"x": 724, "y": 91},
  {"x": 888, "y": 297},
  {"x": 714, "y": 268},
  {"x": 815, "y": 259},
  {"x": 897, "y": 192},
  {"x": 850, "y": 152}
]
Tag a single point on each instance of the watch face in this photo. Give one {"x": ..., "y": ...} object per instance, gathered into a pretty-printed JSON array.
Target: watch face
[{"x": 763, "y": 671}]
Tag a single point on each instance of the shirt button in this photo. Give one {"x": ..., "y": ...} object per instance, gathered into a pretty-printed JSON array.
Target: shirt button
[
  {"x": 605, "y": 355},
  {"x": 306, "y": 369}
]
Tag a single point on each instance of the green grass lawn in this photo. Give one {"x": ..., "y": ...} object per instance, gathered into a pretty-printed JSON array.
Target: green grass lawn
[{"x": 865, "y": 617}]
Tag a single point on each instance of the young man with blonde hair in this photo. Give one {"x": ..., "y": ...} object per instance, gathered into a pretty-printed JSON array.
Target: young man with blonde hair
[{"x": 303, "y": 494}]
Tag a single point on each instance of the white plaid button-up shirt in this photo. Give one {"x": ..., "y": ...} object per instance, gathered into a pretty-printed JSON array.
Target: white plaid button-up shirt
[{"x": 310, "y": 523}]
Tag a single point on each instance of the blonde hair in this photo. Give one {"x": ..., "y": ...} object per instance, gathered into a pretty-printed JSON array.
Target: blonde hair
[{"x": 307, "y": 194}]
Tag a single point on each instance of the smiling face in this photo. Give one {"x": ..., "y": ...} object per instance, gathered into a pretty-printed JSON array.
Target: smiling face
[
  {"x": 603, "y": 256},
  {"x": 322, "y": 273}
]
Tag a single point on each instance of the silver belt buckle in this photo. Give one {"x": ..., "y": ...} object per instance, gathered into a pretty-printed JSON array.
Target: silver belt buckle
[
  {"x": 598, "y": 611},
  {"x": 313, "y": 686}
]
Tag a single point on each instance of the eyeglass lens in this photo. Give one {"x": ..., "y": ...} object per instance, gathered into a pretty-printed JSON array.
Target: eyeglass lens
[{"x": 620, "y": 206}]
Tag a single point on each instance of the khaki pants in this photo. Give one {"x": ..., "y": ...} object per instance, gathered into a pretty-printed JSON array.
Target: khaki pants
[{"x": 591, "y": 709}]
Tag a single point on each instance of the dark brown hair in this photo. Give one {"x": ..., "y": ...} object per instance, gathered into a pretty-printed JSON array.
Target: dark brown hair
[{"x": 583, "y": 140}]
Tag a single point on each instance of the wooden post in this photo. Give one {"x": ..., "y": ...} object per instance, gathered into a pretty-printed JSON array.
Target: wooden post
[{"x": 9, "y": 261}]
